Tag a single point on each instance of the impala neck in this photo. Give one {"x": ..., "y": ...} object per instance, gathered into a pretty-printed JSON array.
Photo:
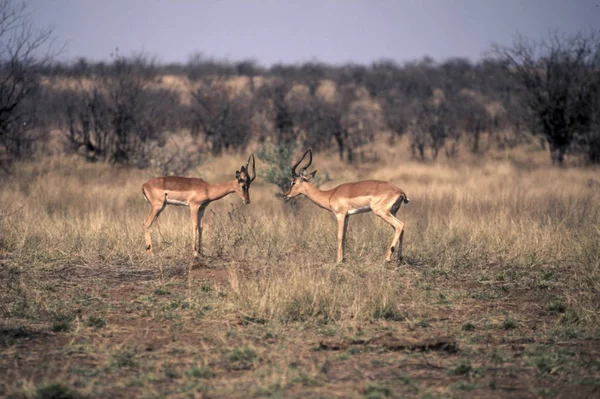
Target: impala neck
[
  {"x": 220, "y": 190},
  {"x": 319, "y": 197}
]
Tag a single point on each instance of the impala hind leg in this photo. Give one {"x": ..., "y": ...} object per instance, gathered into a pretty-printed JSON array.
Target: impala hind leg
[
  {"x": 401, "y": 239},
  {"x": 398, "y": 232},
  {"x": 155, "y": 210}
]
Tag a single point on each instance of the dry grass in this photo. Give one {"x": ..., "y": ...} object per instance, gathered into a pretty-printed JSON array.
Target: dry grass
[{"x": 503, "y": 259}]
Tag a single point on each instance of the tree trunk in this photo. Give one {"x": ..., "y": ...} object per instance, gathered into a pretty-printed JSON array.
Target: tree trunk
[{"x": 557, "y": 153}]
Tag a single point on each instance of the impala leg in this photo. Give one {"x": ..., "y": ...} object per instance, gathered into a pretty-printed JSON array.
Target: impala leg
[
  {"x": 401, "y": 239},
  {"x": 398, "y": 231},
  {"x": 155, "y": 210},
  {"x": 200, "y": 227},
  {"x": 400, "y": 258},
  {"x": 341, "y": 236},
  {"x": 194, "y": 215}
]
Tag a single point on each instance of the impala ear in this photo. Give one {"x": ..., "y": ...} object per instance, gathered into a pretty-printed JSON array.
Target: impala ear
[{"x": 309, "y": 176}]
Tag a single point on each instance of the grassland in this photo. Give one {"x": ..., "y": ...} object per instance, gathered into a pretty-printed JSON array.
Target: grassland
[{"x": 499, "y": 295}]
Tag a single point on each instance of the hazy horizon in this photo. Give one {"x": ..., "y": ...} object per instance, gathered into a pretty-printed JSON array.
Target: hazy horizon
[{"x": 328, "y": 31}]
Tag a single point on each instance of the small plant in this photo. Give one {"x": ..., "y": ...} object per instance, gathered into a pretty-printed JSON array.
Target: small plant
[
  {"x": 462, "y": 368},
  {"x": 171, "y": 373},
  {"x": 124, "y": 359},
  {"x": 205, "y": 287},
  {"x": 377, "y": 391},
  {"x": 569, "y": 317},
  {"x": 509, "y": 324},
  {"x": 279, "y": 159},
  {"x": 422, "y": 323},
  {"x": 242, "y": 354},
  {"x": 62, "y": 322},
  {"x": 161, "y": 291},
  {"x": 442, "y": 299},
  {"x": 468, "y": 326},
  {"x": 557, "y": 306},
  {"x": 55, "y": 390},
  {"x": 465, "y": 386},
  {"x": 61, "y": 326},
  {"x": 388, "y": 312},
  {"x": 201, "y": 372},
  {"x": 95, "y": 322},
  {"x": 242, "y": 358},
  {"x": 496, "y": 357}
]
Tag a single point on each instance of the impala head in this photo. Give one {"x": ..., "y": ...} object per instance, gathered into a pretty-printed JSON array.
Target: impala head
[
  {"x": 242, "y": 188},
  {"x": 299, "y": 178}
]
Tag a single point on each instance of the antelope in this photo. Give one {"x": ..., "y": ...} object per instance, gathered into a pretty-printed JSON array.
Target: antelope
[
  {"x": 195, "y": 193},
  {"x": 381, "y": 197}
]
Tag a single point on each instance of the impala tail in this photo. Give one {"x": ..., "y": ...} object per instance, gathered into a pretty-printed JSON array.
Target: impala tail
[{"x": 405, "y": 198}]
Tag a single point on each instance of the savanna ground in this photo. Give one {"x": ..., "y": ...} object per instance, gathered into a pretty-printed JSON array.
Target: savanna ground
[{"x": 498, "y": 297}]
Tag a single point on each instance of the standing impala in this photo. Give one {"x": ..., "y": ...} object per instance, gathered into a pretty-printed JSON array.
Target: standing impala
[
  {"x": 383, "y": 198},
  {"x": 195, "y": 193}
]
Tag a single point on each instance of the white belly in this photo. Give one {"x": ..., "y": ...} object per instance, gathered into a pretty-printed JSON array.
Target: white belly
[
  {"x": 363, "y": 209},
  {"x": 176, "y": 202}
]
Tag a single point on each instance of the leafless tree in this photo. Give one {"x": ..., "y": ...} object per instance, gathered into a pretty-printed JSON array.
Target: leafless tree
[
  {"x": 221, "y": 116},
  {"x": 116, "y": 115},
  {"x": 435, "y": 128},
  {"x": 24, "y": 49},
  {"x": 561, "y": 81}
]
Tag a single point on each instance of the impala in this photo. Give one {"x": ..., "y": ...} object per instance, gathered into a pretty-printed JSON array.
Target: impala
[
  {"x": 195, "y": 193},
  {"x": 383, "y": 198}
]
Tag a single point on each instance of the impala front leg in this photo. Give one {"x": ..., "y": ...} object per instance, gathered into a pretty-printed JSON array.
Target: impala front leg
[
  {"x": 194, "y": 215},
  {"x": 342, "y": 221},
  {"x": 200, "y": 227}
]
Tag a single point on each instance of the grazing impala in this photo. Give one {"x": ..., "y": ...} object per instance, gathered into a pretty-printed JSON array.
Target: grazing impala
[
  {"x": 383, "y": 198},
  {"x": 195, "y": 193}
]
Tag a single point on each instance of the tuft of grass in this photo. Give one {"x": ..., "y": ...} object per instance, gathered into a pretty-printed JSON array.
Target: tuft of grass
[
  {"x": 61, "y": 326},
  {"x": 569, "y": 317},
  {"x": 160, "y": 291},
  {"x": 509, "y": 324},
  {"x": 242, "y": 354},
  {"x": 96, "y": 322},
  {"x": 465, "y": 386},
  {"x": 462, "y": 368},
  {"x": 201, "y": 372},
  {"x": 377, "y": 391},
  {"x": 388, "y": 312},
  {"x": 124, "y": 358},
  {"x": 468, "y": 326},
  {"x": 170, "y": 372},
  {"x": 62, "y": 322},
  {"x": 557, "y": 306},
  {"x": 242, "y": 358},
  {"x": 56, "y": 390}
]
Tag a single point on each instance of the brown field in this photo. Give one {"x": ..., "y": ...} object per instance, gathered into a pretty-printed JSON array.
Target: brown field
[{"x": 499, "y": 295}]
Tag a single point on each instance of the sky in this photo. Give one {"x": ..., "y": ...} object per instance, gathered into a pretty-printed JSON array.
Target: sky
[{"x": 292, "y": 31}]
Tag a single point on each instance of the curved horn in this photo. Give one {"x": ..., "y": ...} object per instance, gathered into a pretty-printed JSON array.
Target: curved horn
[
  {"x": 253, "y": 167},
  {"x": 309, "y": 152}
]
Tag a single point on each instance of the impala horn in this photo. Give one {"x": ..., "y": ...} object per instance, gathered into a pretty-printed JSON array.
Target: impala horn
[
  {"x": 309, "y": 152},
  {"x": 253, "y": 168}
]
